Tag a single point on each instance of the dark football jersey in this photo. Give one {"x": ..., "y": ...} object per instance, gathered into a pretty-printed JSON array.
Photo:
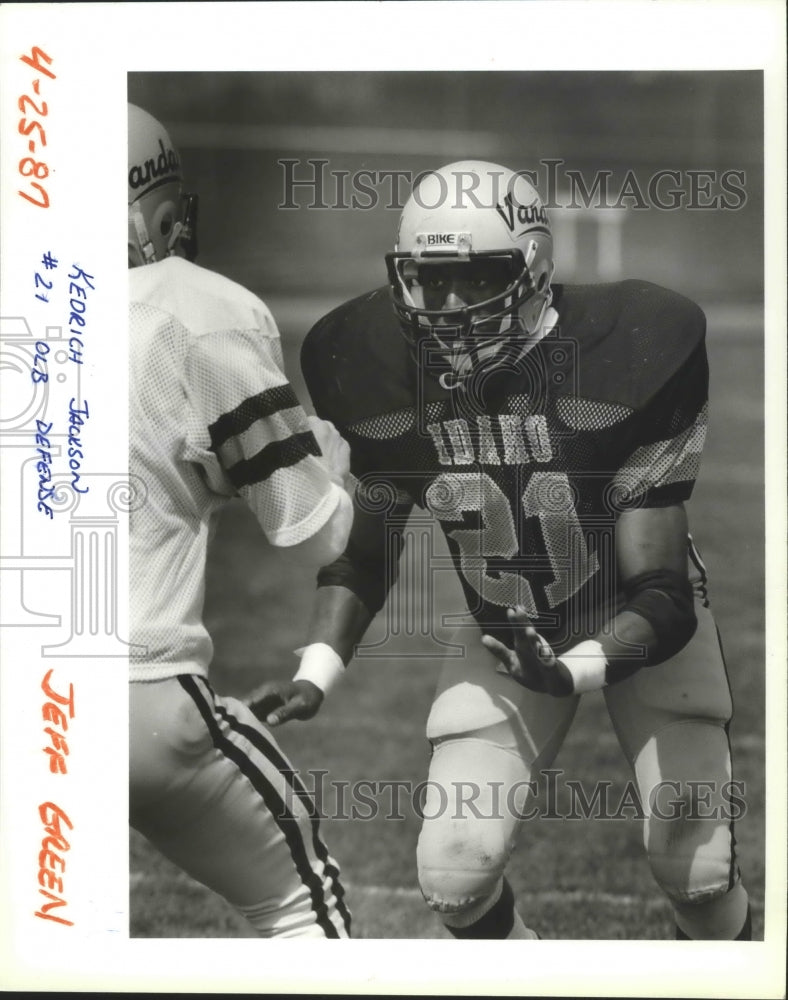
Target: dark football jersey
[{"x": 528, "y": 472}]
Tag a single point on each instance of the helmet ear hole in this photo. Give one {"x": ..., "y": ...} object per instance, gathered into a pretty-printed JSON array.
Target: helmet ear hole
[
  {"x": 162, "y": 219},
  {"x": 542, "y": 281}
]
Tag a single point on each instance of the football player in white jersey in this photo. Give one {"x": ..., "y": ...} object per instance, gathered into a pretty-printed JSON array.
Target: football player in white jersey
[
  {"x": 212, "y": 416},
  {"x": 555, "y": 432}
]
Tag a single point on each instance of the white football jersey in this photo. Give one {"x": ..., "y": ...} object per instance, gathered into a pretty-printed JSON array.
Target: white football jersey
[{"x": 212, "y": 416}]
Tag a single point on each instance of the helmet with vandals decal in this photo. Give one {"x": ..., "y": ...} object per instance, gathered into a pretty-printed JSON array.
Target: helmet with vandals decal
[
  {"x": 162, "y": 220},
  {"x": 472, "y": 266}
]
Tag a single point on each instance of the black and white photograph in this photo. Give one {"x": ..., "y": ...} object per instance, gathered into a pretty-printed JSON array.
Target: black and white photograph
[
  {"x": 494, "y": 474},
  {"x": 394, "y": 535}
]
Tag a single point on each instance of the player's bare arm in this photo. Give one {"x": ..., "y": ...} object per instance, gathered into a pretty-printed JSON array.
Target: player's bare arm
[
  {"x": 655, "y": 623},
  {"x": 340, "y": 620},
  {"x": 351, "y": 591}
]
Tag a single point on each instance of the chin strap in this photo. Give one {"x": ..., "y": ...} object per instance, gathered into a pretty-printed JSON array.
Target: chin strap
[
  {"x": 548, "y": 323},
  {"x": 453, "y": 380},
  {"x": 174, "y": 238},
  {"x": 143, "y": 240}
]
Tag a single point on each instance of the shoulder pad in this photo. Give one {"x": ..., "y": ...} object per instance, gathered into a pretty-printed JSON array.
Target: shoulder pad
[
  {"x": 356, "y": 362},
  {"x": 203, "y": 301},
  {"x": 632, "y": 336}
]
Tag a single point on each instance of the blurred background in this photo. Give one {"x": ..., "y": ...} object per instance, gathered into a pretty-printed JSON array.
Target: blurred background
[
  {"x": 574, "y": 880},
  {"x": 233, "y": 128}
]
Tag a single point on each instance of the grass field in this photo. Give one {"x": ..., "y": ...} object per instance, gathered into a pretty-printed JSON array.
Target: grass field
[{"x": 573, "y": 880}]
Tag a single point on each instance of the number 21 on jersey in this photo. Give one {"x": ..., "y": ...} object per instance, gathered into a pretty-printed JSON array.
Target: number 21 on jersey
[{"x": 548, "y": 497}]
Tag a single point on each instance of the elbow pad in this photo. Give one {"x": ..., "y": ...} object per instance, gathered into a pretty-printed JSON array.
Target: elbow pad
[
  {"x": 368, "y": 578},
  {"x": 666, "y": 601}
]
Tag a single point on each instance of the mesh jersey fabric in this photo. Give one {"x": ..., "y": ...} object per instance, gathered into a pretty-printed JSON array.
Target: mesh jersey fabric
[
  {"x": 528, "y": 475},
  {"x": 212, "y": 416}
]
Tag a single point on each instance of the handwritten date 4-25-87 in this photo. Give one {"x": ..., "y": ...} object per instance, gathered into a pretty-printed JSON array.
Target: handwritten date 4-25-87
[{"x": 29, "y": 166}]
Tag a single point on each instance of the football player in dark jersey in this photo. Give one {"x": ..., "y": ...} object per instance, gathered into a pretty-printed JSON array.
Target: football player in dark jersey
[{"x": 555, "y": 431}]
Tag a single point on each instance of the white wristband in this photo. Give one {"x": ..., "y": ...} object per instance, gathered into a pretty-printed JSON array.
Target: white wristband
[
  {"x": 587, "y": 664},
  {"x": 321, "y": 665}
]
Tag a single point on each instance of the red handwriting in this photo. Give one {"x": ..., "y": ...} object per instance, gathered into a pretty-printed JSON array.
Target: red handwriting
[
  {"x": 29, "y": 166},
  {"x": 50, "y": 862},
  {"x": 58, "y": 751}
]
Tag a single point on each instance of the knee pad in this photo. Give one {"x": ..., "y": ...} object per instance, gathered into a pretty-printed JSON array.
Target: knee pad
[
  {"x": 684, "y": 780},
  {"x": 693, "y": 863},
  {"x": 475, "y": 794},
  {"x": 460, "y": 863}
]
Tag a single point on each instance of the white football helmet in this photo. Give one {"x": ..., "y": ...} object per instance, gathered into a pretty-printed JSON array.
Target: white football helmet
[
  {"x": 162, "y": 220},
  {"x": 472, "y": 267}
]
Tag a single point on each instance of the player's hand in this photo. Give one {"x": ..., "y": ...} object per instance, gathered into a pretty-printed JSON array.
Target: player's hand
[
  {"x": 279, "y": 701},
  {"x": 532, "y": 662},
  {"x": 336, "y": 450}
]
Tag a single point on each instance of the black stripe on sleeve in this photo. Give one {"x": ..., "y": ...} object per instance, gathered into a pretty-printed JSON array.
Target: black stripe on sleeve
[
  {"x": 264, "y": 404},
  {"x": 284, "y": 819},
  {"x": 276, "y": 455}
]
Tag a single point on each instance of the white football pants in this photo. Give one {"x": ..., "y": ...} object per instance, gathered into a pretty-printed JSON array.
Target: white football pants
[
  {"x": 491, "y": 736},
  {"x": 210, "y": 788}
]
